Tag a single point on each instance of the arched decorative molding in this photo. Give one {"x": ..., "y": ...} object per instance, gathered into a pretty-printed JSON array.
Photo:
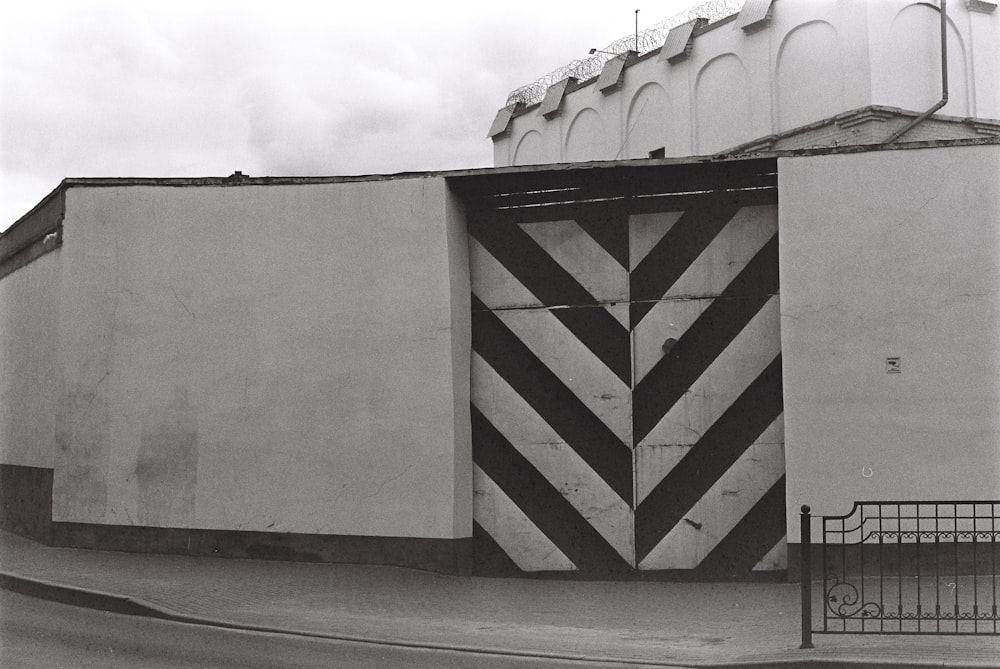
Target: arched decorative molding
[
  {"x": 586, "y": 138},
  {"x": 929, "y": 5},
  {"x": 646, "y": 126},
  {"x": 809, "y": 75},
  {"x": 954, "y": 35},
  {"x": 530, "y": 150},
  {"x": 912, "y": 67},
  {"x": 722, "y": 108}
]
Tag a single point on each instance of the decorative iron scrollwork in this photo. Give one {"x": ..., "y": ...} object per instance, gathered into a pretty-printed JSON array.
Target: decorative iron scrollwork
[
  {"x": 844, "y": 601},
  {"x": 930, "y": 568}
]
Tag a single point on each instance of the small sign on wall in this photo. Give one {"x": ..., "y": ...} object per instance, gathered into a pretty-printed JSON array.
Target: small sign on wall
[{"x": 892, "y": 366}]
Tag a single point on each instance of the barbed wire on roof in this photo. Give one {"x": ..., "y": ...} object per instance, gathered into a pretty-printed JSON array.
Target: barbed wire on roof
[{"x": 647, "y": 40}]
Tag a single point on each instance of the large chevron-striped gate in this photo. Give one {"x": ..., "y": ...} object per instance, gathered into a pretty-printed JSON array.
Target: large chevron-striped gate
[{"x": 626, "y": 371}]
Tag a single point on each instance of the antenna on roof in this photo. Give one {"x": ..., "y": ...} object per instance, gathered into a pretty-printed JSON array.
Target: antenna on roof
[{"x": 637, "y": 31}]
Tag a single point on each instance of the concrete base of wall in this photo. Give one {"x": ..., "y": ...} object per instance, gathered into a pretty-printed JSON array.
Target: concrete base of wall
[
  {"x": 491, "y": 560},
  {"x": 448, "y": 556},
  {"x": 655, "y": 575},
  {"x": 26, "y": 501}
]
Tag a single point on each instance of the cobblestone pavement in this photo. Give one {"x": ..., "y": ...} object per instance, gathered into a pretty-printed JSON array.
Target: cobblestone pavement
[{"x": 686, "y": 624}]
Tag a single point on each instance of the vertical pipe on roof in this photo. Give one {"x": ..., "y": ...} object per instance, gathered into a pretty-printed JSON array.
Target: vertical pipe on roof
[{"x": 944, "y": 79}]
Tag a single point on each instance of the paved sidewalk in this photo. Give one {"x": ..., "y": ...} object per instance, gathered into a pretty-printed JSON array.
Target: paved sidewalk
[{"x": 649, "y": 623}]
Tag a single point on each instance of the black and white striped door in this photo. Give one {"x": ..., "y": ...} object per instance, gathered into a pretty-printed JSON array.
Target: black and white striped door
[{"x": 626, "y": 378}]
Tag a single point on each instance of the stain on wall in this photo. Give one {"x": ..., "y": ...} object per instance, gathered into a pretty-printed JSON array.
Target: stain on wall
[
  {"x": 82, "y": 422},
  {"x": 167, "y": 465}
]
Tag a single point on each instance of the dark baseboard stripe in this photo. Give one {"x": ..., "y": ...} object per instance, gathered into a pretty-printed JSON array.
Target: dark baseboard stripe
[
  {"x": 655, "y": 575},
  {"x": 26, "y": 501},
  {"x": 448, "y": 556},
  {"x": 961, "y": 559}
]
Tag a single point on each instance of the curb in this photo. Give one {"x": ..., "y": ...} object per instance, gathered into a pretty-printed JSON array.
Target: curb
[
  {"x": 122, "y": 604},
  {"x": 74, "y": 596},
  {"x": 105, "y": 601}
]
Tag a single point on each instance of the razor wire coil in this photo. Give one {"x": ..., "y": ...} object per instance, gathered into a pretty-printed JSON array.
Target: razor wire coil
[{"x": 645, "y": 41}]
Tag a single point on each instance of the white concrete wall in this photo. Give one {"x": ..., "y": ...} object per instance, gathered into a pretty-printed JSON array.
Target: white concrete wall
[
  {"x": 814, "y": 60},
  {"x": 890, "y": 254},
  {"x": 284, "y": 358},
  {"x": 984, "y": 47},
  {"x": 30, "y": 369},
  {"x": 906, "y": 56},
  {"x": 460, "y": 334}
]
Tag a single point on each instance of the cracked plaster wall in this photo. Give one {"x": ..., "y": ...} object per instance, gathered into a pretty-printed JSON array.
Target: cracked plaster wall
[
  {"x": 278, "y": 358},
  {"x": 890, "y": 254}
]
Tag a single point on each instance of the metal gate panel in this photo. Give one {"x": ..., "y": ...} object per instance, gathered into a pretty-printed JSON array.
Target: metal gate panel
[
  {"x": 500, "y": 517},
  {"x": 707, "y": 398},
  {"x": 583, "y": 258},
  {"x": 626, "y": 372},
  {"x": 561, "y": 466},
  {"x": 689, "y": 544},
  {"x": 551, "y": 382},
  {"x": 583, "y": 373}
]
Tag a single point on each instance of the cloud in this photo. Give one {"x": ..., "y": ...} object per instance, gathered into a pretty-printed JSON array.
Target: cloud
[{"x": 119, "y": 88}]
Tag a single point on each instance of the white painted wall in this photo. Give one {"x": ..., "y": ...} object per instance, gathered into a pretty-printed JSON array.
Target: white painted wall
[
  {"x": 723, "y": 112},
  {"x": 814, "y": 60},
  {"x": 287, "y": 358},
  {"x": 30, "y": 370},
  {"x": 460, "y": 335},
  {"x": 906, "y": 61},
  {"x": 810, "y": 78},
  {"x": 890, "y": 254}
]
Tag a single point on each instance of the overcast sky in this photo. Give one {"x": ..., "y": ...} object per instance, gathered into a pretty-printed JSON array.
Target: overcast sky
[{"x": 178, "y": 89}]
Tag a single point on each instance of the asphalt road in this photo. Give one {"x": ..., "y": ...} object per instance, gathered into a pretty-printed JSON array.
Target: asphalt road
[{"x": 39, "y": 633}]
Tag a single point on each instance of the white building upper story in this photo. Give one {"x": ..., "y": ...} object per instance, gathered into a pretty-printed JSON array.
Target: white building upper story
[{"x": 777, "y": 74}]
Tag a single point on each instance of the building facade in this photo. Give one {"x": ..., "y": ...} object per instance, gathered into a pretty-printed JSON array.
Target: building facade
[{"x": 777, "y": 75}]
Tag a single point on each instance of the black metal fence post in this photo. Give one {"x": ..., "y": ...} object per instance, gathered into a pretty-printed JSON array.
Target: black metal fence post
[{"x": 805, "y": 576}]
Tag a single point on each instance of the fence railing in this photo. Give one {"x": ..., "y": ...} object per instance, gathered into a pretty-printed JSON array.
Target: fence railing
[{"x": 903, "y": 567}]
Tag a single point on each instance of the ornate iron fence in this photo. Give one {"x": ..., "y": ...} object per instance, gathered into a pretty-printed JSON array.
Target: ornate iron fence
[{"x": 903, "y": 567}]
